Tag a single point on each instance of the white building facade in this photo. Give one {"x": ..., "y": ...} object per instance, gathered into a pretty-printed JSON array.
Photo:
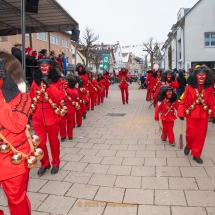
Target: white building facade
[{"x": 192, "y": 39}]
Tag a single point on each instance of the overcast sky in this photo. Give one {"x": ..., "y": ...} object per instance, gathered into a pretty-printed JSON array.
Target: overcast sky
[{"x": 130, "y": 22}]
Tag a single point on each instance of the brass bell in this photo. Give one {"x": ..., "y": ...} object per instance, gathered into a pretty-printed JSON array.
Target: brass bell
[
  {"x": 202, "y": 101},
  {"x": 28, "y": 127},
  {"x": 197, "y": 95},
  {"x": 205, "y": 107},
  {"x": 197, "y": 101},
  {"x": 33, "y": 106},
  {"x": 35, "y": 140},
  {"x": 38, "y": 93},
  {"x": 44, "y": 86},
  {"x": 46, "y": 98},
  {"x": 192, "y": 107},
  {"x": 62, "y": 103},
  {"x": 4, "y": 147},
  {"x": 187, "y": 112},
  {"x": 65, "y": 109},
  {"x": 78, "y": 98},
  {"x": 35, "y": 100},
  {"x": 73, "y": 103},
  {"x": 62, "y": 113},
  {"x": 31, "y": 161},
  {"x": 54, "y": 105},
  {"x": 16, "y": 158},
  {"x": 56, "y": 111},
  {"x": 202, "y": 95},
  {"x": 42, "y": 90},
  {"x": 69, "y": 99},
  {"x": 210, "y": 111},
  {"x": 38, "y": 153},
  {"x": 81, "y": 101}
]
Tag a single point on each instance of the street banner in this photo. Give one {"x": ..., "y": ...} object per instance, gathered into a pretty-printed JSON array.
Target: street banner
[{"x": 105, "y": 61}]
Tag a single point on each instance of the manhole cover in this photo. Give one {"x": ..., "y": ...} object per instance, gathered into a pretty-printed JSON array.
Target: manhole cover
[{"x": 116, "y": 114}]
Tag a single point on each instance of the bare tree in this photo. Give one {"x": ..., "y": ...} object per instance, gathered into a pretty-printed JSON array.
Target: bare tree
[
  {"x": 153, "y": 50},
  {"x": 87, "y": 43},
  {"x": 96, "y": 58}
]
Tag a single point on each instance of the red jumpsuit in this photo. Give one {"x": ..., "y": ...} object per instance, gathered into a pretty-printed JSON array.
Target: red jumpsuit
[
  {"x": 149, "y": 86},
  {"x": 103, "y": 91},
  {"x": 45, "y": 121},
  {"x": 168, "y": 116},
  {"x": 99, "y": 92},
  {"x": 81, "y": 110},
  {"x": 106, "y": 83},
  {"x": 67, "y": 122},
  {"x": 123, "y": 85},
  {"x": 14, "y": 178},
  {"x": 197, "y": 120},
  {"x": 92, "y": 91},
  {"x": 85, "y": 98}
]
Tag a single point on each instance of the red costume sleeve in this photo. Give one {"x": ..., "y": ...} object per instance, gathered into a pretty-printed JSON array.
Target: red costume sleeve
[
  {"x": 72, "y": 93},
  {"x": 157, "y": 111},
  {"x": 58, "y": 94},
  {"x": 16, "y": 113},
  {"x": 175, "y": 84},
  {"x": 211, "y": 100},
  {"x": 182, "y": 105}
]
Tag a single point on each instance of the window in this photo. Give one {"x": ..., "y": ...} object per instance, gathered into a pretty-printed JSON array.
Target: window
[
  {"x": 42, "y": 36},
  {"x": 27, "y": 34},
  {"x": 210, "y": 39},
  {"x": 73, "y": 55},
  {"x": 54, "y": 39},
  {"x": 65, "y": 43}
]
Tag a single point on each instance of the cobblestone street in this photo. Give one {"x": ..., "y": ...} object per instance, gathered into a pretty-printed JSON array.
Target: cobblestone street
[{"x": 117, "y": 165}]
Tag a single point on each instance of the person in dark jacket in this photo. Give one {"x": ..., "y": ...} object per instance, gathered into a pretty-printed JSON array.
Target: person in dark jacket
[
  {"x": 182, "y": 83},
  {"x": 16, "y": 51}
]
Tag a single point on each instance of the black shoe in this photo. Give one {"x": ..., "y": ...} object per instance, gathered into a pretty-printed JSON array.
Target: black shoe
[
  {"x": 106, "y": 96},
  {"x": 42, "y": 171},
  {"x": 92, "y": 108},
  {"x": 88, "y": 109},
  {"x": 186, "y": 151},
  {"x": 127, "y": 102},
  {"x": 70, "y": 138},
  {"x": 54, "y": 169},
  {"x": 84, "y": 116},
  {"x": 78, "y": 125},
  {"x": 62, "y": 139},
  {"x": 198, "y": 160},
  {"x": 123, "y": 102}
]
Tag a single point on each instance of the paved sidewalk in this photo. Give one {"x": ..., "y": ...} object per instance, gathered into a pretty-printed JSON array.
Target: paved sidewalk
[{"x": 119, "y": 166}]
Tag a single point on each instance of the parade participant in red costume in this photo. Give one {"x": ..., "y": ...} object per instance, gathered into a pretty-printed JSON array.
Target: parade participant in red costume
[
  {"x": 149, "y": 85},
  {"x": 168, "y": 79},
  {"x": 156, "y": 82},
  {"x": 84, "y": 76},
  {"x": 123, "y": 84},
  {"x": 92, "y": 90},
  {"x": 14, "y": 109},
  {"x": 81, "y": 107},
  {"x": 84, "y": 97},
  {"x": 102, "y": 86},
  {"x": 106, "y": 82},
  {"x": 67, "y": 121},
  {"x": 100, "y": 90},
  {"x": 197, "y": 105},
  {"x": 47, "y": 91},
  {"x": 167, "y": 104}
]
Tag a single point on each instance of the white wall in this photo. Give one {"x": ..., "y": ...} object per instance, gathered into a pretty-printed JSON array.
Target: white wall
[{"x": 200, "y": 20}]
